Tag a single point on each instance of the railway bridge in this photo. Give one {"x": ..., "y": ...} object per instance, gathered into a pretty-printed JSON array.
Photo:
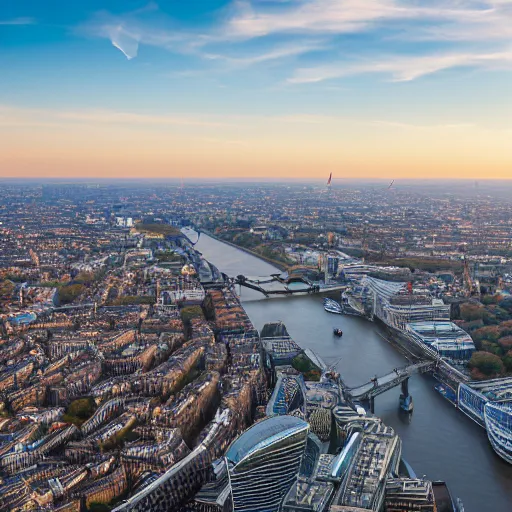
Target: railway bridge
[{"x": 398, "y": 377}]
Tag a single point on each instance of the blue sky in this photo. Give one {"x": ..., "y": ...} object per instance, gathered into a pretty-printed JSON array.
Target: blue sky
[{"x": 241, "y": 72}]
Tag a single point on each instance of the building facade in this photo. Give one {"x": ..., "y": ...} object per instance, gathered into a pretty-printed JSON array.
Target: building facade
[{"x": 264, "y": 463}]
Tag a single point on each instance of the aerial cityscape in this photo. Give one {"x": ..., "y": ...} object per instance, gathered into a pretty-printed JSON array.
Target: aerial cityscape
[
  {"x": 134, "y": 378},
  {"x": 256, "y": 256}
]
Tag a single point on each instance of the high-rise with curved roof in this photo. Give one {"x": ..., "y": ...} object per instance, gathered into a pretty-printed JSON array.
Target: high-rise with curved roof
[{"x": 264, "y": 463}]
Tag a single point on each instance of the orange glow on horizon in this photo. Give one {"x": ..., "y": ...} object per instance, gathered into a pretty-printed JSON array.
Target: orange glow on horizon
[{"x": 46, "y": 144}]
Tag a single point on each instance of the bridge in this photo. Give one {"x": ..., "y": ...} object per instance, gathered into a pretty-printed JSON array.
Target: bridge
[
  {"x": 379, "y": 385},
  {"x": 309, "y": 287}
]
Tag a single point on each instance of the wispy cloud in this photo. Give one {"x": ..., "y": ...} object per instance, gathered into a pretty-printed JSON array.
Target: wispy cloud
[
  {"x": 411, "y": 126},
  {"x": 404, "y": 69},
  {"x": 128, "y": 31},
  {"x": 230, "y": 129},
  {"x": 107, "y": 117},
  {"x": 130, "y": 118},
  {"x": 123, "y": 41},
  {"x": 494, "y": 23},
  {"x": 308, "y": 119},
  {"x": 343, "y": 16},
  {"x": 19, "y": 21},
  {"x": 458, "y": 25},
  {"x": 278, "y": 53}
]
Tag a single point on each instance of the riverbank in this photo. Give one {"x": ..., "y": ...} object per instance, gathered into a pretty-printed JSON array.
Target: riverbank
[
  {"x": 437, "y": 440},
  {"x": 280, "y": 266}
]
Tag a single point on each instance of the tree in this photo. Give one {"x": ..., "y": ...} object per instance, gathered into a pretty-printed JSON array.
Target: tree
[
  {"x": 303, "y": 364},
  {"x": 190, "y": 312},
  {"x": 470, "y": 312},
  {"x": 84, "y": 278},
  {"x": 490, "y": 346},
  {"x": 486, "y": 363},
  {"x": 79, "y": 410},
  {"x": 506, "y": 303},
  {"x": 490, "y": 299},
  {"x": 506, "y": 342},
  {"x": 507, "y": 360},
  {"x": 158, "y": 229},
  {"x": 506, "y": 328},
  {"x": 131, "y": 300},
  {"x": 489, "y": 332},
  {"x": 99, "y": 507},
  {"x": 69, "y": 293}
]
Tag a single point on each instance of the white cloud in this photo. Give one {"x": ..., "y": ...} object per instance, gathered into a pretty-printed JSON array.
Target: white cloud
[
  {"x": 456, "y": 21},
  {"x": 127, "y": 32},
  {"x": 19, "y": 21},
  {"x": 404, "y": 69},
  {"x": 343, "y": 16},
  {"x": 492, "y": 24},
  {"x": 124, "y": 41},
  {"x": 281, "y": 52},
  {"x": 20, "y": 115}
]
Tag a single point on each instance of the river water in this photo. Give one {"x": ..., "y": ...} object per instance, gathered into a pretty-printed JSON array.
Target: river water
[{"x": 439, "y": 441}]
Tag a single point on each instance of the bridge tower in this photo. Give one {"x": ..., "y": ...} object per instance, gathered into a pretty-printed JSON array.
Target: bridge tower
[{"x": 406, "y": 403}]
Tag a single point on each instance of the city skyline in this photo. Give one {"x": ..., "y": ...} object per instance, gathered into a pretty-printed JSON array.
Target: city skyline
[
  {"x": 165, "y": 374},
  {"x": 256, "y": 89}
]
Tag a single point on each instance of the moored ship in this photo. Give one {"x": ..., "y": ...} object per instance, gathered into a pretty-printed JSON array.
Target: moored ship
[
  {"x": 331, "y": 306},
  {"x": 443, "y": 498}
]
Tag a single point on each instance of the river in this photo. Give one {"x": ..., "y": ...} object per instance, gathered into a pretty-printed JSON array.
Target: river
[{"x": 439, "y": 441}]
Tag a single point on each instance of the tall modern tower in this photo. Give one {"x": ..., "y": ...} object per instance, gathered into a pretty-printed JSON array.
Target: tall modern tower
[{"x": 264, "y": 462}]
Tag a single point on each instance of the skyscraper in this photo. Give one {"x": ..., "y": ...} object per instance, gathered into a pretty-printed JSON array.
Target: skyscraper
[{"x": 264, "y": 463}]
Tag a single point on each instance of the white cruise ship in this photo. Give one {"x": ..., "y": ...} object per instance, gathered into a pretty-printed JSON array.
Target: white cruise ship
[{"x": 332, "y": 306}]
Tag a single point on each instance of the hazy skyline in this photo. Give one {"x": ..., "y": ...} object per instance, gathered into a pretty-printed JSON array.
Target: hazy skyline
[{"x": 261, "y": 88}]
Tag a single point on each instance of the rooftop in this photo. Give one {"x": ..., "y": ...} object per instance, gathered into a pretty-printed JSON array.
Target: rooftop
[{"x": 263, "y": 434}]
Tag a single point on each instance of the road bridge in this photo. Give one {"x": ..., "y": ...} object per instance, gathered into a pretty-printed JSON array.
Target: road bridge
[
  {"x": 379, "y": 385},
  {"x": 274, "y": 278}
]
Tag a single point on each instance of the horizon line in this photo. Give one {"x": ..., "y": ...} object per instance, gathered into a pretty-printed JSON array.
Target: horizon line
[{"x": 251, "y": 179}]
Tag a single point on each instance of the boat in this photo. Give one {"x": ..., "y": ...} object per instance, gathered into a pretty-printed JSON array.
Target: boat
[
  {"x": 444, "y": 500},
  {"x": 406, "y": 470},
  {"x": 331, "y": 306},
  {"x": 338, "y": 332}
]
